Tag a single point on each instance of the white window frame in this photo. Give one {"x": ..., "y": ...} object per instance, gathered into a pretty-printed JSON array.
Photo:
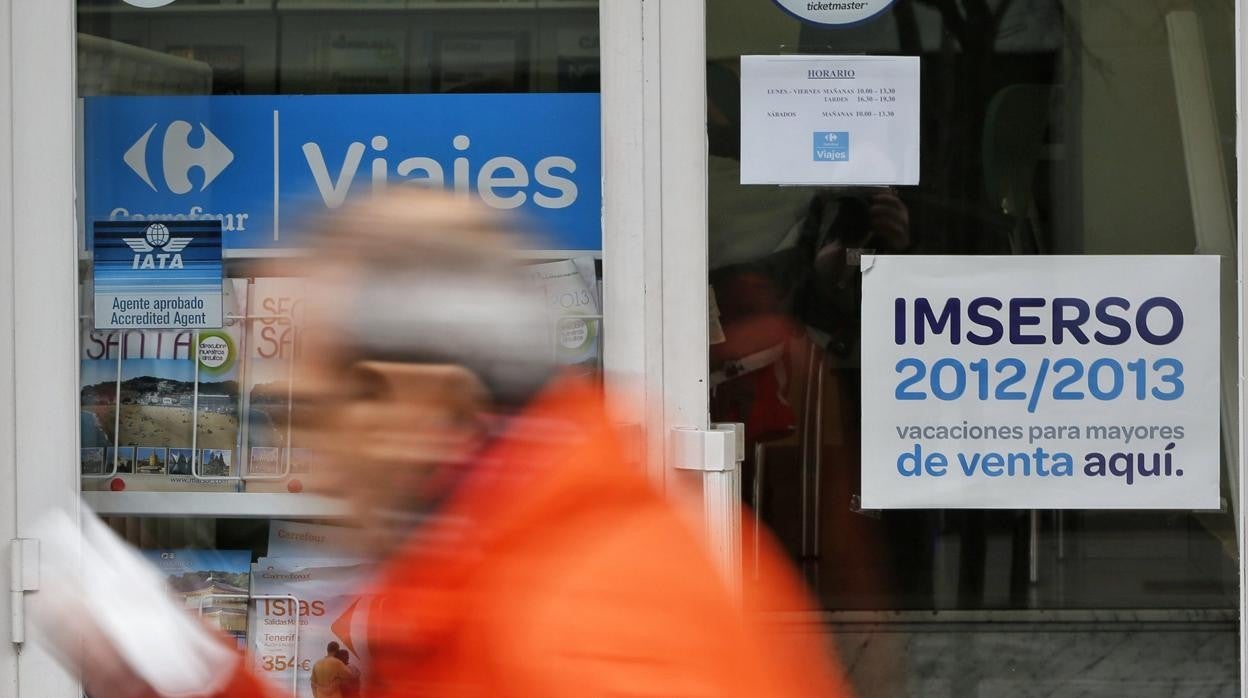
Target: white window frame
[
  {"x": 655, "y": 246},
  {"x": 38, "y": 301},
  {"x": 1241, "y": 264}
]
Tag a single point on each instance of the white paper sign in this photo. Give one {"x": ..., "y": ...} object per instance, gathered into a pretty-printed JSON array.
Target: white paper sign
[
  {"x": 1045, "y": 382},
  {"x": 830, "y": 120}
]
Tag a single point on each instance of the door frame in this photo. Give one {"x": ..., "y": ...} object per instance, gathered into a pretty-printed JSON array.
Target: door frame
[
  {"x": 655, "y": 244},
  {"x": 655, "y": 251},
  {"x": 8, "y": 499},
  {"x": 38, "y": 298},
  {"x": 1241, "y": 264}
]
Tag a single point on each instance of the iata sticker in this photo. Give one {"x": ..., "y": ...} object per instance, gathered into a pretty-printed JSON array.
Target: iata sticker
[
  {"x": 157, "y": 275},
  {"x": 834, "y": 12}
]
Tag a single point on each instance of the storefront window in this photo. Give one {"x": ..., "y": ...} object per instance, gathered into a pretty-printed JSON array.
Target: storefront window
[
  {"x": 250, "y": 120},
  {"x": 1044, "y": 128}
]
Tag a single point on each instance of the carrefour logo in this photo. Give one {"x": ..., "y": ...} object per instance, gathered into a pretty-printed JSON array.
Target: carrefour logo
[
  {"x": 156, "y": 249},
  {"x": 831, "y": 146},
  {"x": 178, "y": 157}
]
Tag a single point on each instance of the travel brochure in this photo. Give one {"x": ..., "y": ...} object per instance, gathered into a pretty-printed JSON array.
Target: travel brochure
[
  {"x": 275, "y": 312},
  {"x": 284, "y": 609},
  {"x": 159, "y": 409},
  {"x": 309, "y": 594},
  {"x": 170, "y": 425},
  {"x": 212, "y": 584}
]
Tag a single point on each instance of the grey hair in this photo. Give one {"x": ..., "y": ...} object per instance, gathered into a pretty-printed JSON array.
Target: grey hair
[{"x": 437, "y": 282}]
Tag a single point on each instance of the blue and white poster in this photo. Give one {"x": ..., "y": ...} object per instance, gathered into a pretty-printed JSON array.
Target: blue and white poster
[
  {"x": 1040, "y": 382},
  {"x": 267, "y": 166},
  {"x": 162, "y": 274}
]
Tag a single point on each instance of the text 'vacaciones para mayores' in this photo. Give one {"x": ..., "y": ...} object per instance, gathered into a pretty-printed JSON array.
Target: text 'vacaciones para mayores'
[
  {"x": 158, "y": 312},
  {"x": 1033, "y": 382}
]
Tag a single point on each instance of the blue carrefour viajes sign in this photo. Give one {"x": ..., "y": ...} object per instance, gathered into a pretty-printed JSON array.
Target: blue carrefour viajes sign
[{"x": 261, "y": 164}]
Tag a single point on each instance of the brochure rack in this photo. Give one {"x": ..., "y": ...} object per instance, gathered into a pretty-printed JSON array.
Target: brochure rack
[
  {"x": 244, "y": 464},
  {"x": 244, "y": 504},
  {"x": 232, "y": 505}
]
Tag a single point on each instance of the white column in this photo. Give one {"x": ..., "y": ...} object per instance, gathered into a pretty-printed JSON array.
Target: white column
[
  {"x": 40, "y": 283},
  {"x": 8, "y": 500},
  {"x": 632, "y": 254}
]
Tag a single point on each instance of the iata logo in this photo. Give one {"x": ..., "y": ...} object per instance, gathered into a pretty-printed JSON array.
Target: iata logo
[
  {"x": 156, "y": 250},
  {"x": 178, "y": 157}
]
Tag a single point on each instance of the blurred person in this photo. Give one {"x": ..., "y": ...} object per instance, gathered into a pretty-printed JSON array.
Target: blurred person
[
  {"x": 329, "y": 673},
  {"x": 523, "y": 556}
]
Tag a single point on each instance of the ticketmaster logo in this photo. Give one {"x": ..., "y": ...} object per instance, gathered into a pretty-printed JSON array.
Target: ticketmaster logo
[
  {"x": 178, "y": 157},
  {"x": 831, "y": 146},
  {"x": 829, "y": 6}
]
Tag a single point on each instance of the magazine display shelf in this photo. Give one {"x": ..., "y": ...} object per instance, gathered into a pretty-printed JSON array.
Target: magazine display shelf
[
  {"x": 286, "y": 505},
  {"x": 263, "y": 504},
  {"x": 241, "y": 477},
  {"x": 242, "y": 505}
]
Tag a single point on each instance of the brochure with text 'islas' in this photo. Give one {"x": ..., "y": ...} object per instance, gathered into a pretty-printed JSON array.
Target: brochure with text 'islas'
[{"x": 289, "y": 636}]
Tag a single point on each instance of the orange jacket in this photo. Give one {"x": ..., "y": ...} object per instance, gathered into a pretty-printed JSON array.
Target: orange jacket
[{"x": 574, "y": 578}]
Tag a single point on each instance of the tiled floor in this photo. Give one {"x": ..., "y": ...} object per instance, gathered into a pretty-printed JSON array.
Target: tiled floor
[{"x": 1050, "y": 659}]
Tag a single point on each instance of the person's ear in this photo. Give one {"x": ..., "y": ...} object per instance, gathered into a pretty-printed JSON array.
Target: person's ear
[{"x": 446, "y": 384}]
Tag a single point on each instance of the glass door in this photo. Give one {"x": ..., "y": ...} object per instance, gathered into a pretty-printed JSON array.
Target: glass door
[{"x": 1038, "y": 130}]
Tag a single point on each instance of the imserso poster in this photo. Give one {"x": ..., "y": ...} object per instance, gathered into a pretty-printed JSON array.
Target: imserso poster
[{"x": 1040, "y": 382}]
